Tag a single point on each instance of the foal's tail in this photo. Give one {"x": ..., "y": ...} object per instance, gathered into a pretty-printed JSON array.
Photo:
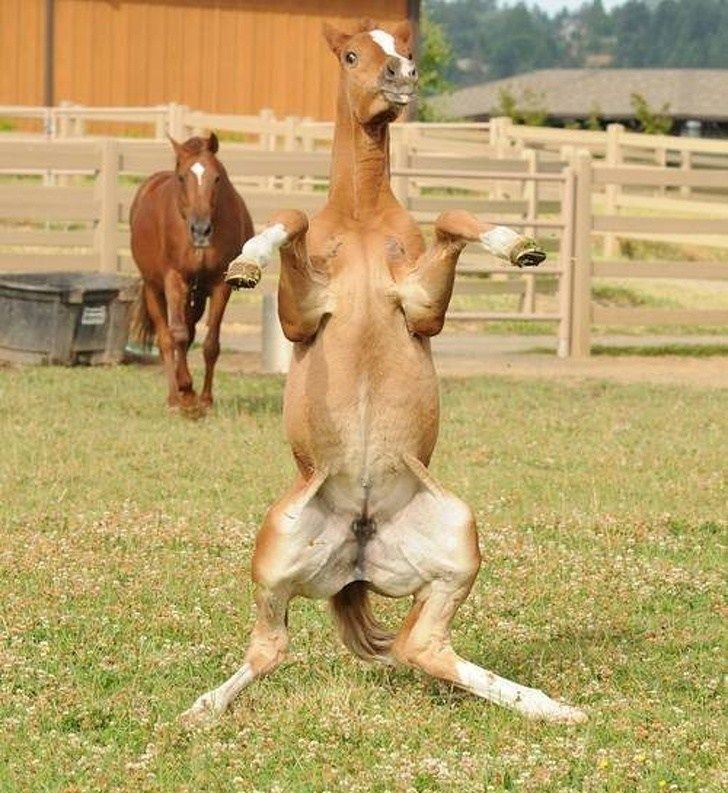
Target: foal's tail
[
  {"x": 141, "y": 327},
  {"x": 358, "y": 629}
]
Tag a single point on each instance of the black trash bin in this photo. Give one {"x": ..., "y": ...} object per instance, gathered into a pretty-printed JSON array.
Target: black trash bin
[{"x": 65, "y": 318}]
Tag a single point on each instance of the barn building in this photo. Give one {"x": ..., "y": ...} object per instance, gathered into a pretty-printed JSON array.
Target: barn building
[{"x": 225, "y": 56}]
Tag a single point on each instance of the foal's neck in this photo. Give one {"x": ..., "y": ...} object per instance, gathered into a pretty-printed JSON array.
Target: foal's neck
[{"x": 359, "y": 183}]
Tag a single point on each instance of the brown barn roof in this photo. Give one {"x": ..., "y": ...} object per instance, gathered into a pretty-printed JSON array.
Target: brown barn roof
[{"x": 572, "y": 93}]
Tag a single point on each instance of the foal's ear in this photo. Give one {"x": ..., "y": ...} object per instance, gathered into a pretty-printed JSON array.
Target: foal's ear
[
  {"x": 403, "y": 34},
  {"x": 336, "y": 38},
  {"x": 212, "y": 143},
  {"x": 367, "y": 25}
]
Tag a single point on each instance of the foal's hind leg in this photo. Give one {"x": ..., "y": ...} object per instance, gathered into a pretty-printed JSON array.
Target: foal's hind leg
[
  {"x": 436, "y": 535},
  {"x": 302, "y": 548}
]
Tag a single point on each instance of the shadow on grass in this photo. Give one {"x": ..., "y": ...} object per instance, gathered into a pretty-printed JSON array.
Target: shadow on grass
[
  {"x": 658, "y": 351},
  {"x": 270, "y": 404},
  {"x": 645, "y": 350}
]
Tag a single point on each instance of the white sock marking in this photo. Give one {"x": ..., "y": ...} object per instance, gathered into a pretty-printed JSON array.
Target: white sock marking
[
  {"x": 500, "y": 240},
  {"x": 529, "y": 701},
  {"x": 260, "y": 249},
  {"x": 198, "y": 169}
]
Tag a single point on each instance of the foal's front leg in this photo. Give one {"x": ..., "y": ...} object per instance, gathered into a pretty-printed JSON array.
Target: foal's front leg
[
  {"x": 425, "y": 292},
  {"x": 302, "y": 290}
]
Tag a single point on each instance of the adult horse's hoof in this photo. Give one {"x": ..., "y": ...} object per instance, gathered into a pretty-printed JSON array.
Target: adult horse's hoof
[
  {"x": 527, "y": 254},
  {"x": 243, "y": 274}
]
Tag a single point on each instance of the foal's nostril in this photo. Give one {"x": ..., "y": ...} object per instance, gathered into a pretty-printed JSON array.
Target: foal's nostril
[
  {"x": 207, "y": 230},
  {"x": 391, "y": 71}
]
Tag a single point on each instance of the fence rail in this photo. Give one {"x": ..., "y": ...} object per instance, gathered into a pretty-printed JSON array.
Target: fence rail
[{"x": 64, "y": 204}]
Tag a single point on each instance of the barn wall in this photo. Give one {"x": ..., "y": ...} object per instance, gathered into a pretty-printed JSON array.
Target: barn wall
[
  {"x": 218, "y": 55},
  {"x": 21, "y": 52}
]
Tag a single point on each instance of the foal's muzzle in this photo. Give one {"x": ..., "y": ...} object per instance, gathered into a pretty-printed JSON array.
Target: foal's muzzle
[
  {"x": 398, "y": 81},
  {"x": 200, "y": 232}
]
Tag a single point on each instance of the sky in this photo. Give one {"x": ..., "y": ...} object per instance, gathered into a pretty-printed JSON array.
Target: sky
[{"x": 552, "y": 6}]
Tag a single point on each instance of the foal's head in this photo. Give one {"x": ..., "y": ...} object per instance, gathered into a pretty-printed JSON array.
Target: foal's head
[
  {"x": 378, "y": 69},
  {"x": 198, "y": 173}
]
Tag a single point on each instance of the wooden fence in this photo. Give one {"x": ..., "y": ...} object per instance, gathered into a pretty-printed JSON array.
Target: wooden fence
[{"x": 64, "y": 205}]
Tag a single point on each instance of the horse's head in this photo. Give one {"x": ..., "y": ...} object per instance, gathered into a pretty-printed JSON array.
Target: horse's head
[
  {"x": 378, "y": 69},
  {"x": 198, "y": 173}
]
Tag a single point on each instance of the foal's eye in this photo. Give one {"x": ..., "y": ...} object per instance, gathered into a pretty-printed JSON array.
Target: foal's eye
[
  {"x": 181, "y": 177},
  {"x": 217, "y": 178},
  {"x": 351, "y": 58}
]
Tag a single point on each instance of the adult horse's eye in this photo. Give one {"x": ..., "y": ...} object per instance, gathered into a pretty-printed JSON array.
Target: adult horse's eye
[
  {"x": 181, "y": 177},
  {"x": 217, "y": 178},
  {"x": 351, "y": 58}
]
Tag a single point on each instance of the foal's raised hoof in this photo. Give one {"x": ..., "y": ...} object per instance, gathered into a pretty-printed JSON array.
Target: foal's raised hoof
[
  {"x": 527, "y": 254},
  {"x": 242, "y": 274}
]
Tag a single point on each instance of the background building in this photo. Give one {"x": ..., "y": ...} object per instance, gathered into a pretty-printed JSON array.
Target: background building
[
  {"x": 568, "y": 96},
  {"x": 227, "y": 56}
]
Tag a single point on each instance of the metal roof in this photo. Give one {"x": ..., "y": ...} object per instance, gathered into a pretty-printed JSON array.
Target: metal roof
[{"x": 573, "y": 93}]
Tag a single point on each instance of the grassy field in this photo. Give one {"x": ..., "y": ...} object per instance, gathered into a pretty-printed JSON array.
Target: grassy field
[{"x": 124, "y": 593}]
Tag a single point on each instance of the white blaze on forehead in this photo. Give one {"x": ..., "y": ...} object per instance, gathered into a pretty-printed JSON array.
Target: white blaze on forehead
[
  {"x": 386, "y": 42},
  {"x": 198, "y": 169}
]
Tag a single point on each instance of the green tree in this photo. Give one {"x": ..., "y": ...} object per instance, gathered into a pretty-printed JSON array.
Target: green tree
[
  {"x": 652, "y": 122},
  {"x": 434, "y": 55},
  {"x": 531, "y": 110}
]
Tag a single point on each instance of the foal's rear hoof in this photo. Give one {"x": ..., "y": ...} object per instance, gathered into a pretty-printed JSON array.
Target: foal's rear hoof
[
  {"x": 242, "y": 274},
  {"x": 203, "y": 713}
]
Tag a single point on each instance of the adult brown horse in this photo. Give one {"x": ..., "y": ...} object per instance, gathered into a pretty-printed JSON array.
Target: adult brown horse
[
  {"x": 360, "y": 296},
  {"x": 186, "y": 227}
]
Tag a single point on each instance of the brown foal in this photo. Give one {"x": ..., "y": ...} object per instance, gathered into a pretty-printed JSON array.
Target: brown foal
[
  {"x": 360, "y": 297},
  {"x": 186, "y": 227}
]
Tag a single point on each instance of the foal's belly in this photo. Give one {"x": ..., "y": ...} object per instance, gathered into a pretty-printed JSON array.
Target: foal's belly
[{"x": 356, "y": 408}]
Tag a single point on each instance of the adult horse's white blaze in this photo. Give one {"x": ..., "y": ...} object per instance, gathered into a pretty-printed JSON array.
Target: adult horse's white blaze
[{"x": 198, "y": 169}]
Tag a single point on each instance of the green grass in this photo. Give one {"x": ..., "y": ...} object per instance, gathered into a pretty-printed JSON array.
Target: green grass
[{"x": 124, "y": 593}]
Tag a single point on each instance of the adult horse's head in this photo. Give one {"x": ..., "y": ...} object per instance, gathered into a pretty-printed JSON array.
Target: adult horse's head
[
  {"x": 198, "y": 173},
  {"x": 378, "y": 69}
]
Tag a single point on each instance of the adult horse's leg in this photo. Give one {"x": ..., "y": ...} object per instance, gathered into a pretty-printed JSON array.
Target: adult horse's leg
[
  {"x": 425, "y": 292},
  {"x": 219, "y": 297},
  {"x": 302, "y": 290},
  {"x": 157, "y": 310},
  {"x": 176, "y": 292}
]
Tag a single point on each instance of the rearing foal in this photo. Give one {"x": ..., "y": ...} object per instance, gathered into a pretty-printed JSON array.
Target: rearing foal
[
  {"x": 360, "y": 297},
  {"x": 186, "y": 227}
]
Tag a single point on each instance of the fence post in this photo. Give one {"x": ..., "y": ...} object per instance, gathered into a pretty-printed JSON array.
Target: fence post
[
  {"x": 107, "y": 194},
  {"x": 289, "y": 144},
  {"x": 276, "y": 350},
  {"x": 400, "y": 154},
  {"x": 686, "y": 164},
  {"x": 613, "y": 158},
  {"x": 563, "y": 346},
  {"x": 580, "y": 345},
  {"x": 175, "y": 121}
]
